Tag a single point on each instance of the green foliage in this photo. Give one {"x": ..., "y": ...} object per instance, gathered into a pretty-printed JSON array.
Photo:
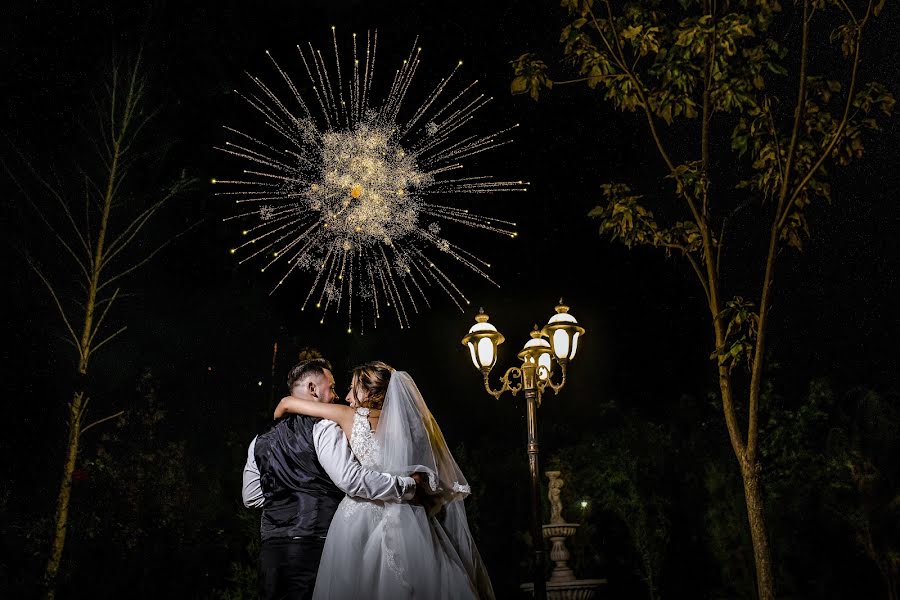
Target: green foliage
[
  {"x": 833, "y": 459},
  {"x": 740, "y": 334},
  {"x": 530, "y": 76},
  {"x": 706, "y": 78},
  {"x": 243, "y": 580},
  {"x": 625, "y": 219},
  {"x": 148, "y": 472},
  {"x": 141, "y": 508},
  {"x": 726, "y": 531},
  {"x": 619, "y": 473},
  {"x": 663, "y": 58}
]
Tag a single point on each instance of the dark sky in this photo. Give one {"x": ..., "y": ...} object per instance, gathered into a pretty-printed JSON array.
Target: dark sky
[{"x": 647, "y": 338}]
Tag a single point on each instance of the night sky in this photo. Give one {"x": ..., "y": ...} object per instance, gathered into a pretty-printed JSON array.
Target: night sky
[{"x": 206, "y": 326}]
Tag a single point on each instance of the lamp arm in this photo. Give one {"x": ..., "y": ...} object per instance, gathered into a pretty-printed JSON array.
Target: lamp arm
[
  {"x": 555, "y": 386},
  {"x": 511, "y": 373}
]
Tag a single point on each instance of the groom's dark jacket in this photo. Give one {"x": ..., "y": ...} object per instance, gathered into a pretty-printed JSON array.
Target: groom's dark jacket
[{"x": 300, "y": 499}]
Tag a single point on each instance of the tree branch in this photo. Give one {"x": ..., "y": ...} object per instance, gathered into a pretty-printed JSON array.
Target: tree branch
[
  {"x": 798, "y": 112},
  {"x": 774, "y": 131},
  {"x": 62, "y": 312},
  {"x": 694, "y": 265},
  {"x": 98, "y": 421},
  {"x": 43, "y": 217},
  {"x": 639, "y": 89},
  {"x": 707, "y": 111},
  {"x": 146, "y": 259},
  {"x": 850, "y": 12},
  {"x": 107, "y": 339},
  {"x": 134, "y": 227},
  {"x": 109, "y": 304},
  {"x": 837, "y": 134}
]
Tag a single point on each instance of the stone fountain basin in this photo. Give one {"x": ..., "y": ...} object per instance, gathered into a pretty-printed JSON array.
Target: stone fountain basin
[
  {"x": 579, "y": 589},
  {"x": 559, "y": 530}
]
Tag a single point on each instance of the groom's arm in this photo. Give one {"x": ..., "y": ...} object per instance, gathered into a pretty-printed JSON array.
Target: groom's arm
[
  {"x": 352, "y": 478},
  {"x": 251, "y": 492}
]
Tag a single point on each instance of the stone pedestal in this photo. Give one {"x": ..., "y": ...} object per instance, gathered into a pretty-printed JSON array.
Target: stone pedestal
[{"x": 562, "y": 584}]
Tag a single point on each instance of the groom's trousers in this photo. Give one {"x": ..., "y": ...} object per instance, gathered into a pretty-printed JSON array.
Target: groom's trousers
[{"x": 288, "y": 567}]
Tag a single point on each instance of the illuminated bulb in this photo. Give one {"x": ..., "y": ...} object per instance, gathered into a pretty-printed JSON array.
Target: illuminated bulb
[
  {"x": 213, "y": 181},
  {"x": 232, "y": 251}
]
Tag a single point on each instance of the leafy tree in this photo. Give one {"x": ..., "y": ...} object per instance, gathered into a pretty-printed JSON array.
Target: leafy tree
[
  {"x": 243, "y": 576},
  {"x": 102, "y": 215},
  {"x": 790, "y": 107},
  {"x": 620, "y": 472},
  {"x": 871, "y": 452},
  {"x": 145, "y": 507},
  {"x": 833, "y": 459}
]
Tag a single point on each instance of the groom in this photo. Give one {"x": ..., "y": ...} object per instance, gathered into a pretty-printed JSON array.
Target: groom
[{"x": 298, "y": 470}]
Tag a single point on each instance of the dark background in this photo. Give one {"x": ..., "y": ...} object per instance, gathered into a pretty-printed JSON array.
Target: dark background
[{"x": 206, "y": 327}]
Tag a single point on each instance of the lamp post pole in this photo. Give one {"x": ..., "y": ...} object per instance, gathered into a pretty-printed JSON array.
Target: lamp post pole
[
  {"x": 535, "y": 375},
  {"x": 537, "y": 533}
]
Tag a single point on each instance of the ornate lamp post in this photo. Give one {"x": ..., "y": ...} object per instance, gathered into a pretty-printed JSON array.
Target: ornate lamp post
[{"x": 555, "y": 344}]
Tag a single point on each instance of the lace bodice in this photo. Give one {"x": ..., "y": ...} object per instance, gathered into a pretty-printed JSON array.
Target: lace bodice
[{"x": 362, "y": 440}]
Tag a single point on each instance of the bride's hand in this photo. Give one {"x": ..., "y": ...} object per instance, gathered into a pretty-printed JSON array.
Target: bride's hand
[
  {"x": 422, "y": 497},
  {"x": 281, "y": 409}
]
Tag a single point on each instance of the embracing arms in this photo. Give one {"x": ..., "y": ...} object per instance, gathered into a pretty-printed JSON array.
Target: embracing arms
[
  {"x": 342, "y": 468},
  {"x": 349, "y": 476},
  {"x": 339, "y": 413}
]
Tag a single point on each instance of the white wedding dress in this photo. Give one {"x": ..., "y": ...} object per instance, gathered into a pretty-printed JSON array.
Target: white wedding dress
[{"x": 396, "y": 550}]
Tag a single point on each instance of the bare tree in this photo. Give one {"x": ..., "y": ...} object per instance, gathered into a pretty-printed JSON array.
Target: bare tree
[{"x": 95, "y": 237}]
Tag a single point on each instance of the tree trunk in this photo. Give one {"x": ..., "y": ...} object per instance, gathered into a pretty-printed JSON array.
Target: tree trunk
[
  {"x": 755, "y": 515},
  {"x": 62, "y": 502},
  {"x": 888, "y": 569}
]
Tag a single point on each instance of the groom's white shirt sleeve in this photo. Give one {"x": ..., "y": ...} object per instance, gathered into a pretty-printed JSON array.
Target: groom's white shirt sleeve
[
  {"x": 251, "y": 492},
  {"x": 339, "y": 463},
  {"x": 345, "y": 471}
]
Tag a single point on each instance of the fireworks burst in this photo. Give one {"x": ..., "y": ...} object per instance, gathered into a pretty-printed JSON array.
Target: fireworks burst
[{"x": 349, "y": 192}]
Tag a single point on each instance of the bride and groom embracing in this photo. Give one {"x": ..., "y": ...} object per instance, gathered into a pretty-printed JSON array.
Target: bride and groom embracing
[{"x": 377, "y": 477}]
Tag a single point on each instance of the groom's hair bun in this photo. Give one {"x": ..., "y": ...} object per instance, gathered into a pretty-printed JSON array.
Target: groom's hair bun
[
  {"x": 307, "y": 367},
  {"x": 307, "y": 353},
  {"x": 373, "y": 377}
]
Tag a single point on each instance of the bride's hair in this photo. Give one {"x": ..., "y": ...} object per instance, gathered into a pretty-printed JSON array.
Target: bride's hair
[{"x": 373, "y": 377}]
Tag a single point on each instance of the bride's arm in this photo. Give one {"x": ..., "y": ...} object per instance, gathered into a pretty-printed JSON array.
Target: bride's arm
[
  {"x": 289, "y": 404},
  {"x": 339, "y": 413}
]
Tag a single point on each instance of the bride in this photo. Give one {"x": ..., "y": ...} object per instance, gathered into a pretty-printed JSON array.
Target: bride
[{"x": 393, "y": 550}]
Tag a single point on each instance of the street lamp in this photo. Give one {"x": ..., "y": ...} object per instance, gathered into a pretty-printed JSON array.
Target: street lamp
[{"x": 557, "y": 344}]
